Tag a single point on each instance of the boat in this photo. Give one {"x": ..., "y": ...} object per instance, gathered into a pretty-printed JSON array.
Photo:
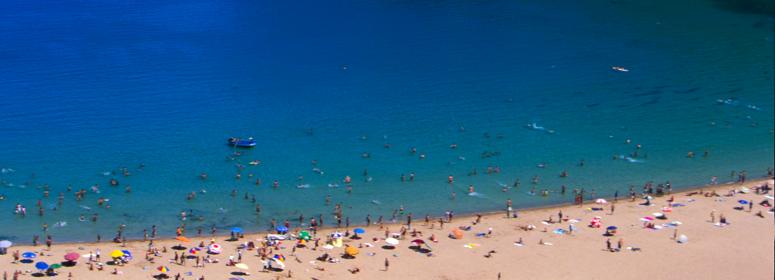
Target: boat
[
  {"x": 620, "y": 69},
  {"x": 242, "y": 143}
]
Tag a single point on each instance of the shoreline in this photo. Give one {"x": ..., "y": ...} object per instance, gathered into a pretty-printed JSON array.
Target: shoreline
[{"x": 489, "y": 213}]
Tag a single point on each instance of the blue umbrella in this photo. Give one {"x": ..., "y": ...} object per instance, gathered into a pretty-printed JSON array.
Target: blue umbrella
[
  {"x": 743, "y": 201},
  {"x": 41, "y": 265},
  {"x": 359, "y": 231},
  {"x": 281, "y": 229},
  {"x": 127, "y": 254},
  {"x": 236, "y": 229},
  {"x": 29, "y": 255}
]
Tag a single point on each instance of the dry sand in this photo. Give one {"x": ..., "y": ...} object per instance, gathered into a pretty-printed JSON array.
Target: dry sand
[{"x": 743, "y": 249}]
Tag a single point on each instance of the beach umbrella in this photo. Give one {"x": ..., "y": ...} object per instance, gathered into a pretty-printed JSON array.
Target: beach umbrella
[
  {"x": 359, "y": 231},
  {"x": 277, "y": 263},
  {"x": 236, "y": 229},
  {"x": 351, "y": 251},
  {"x": 29, "y": 255},
  {"x": 116, "y": 254},
  {"x": 280, "y": 257},
  {"x": 242, "y": 266},
  {"x": 457, "y": 233},
  {"x": 743, "y": 201},
  {"x": 683, "y": 239},
  {"x": 304, "y": 235},
  {"x": 194, "y": 250},
  {"x": 418, "y": 241},
  {"x": 281, "y": 229},
  {"x": 214, "y": 249},
  {"x": 391, "y": 241},
  {"x": 127, "y": 254},
  {"x": 55, "y": 266},
  {"x": 601, "y": 201},
  {"x": 337, "y": 235},
  {"x": 72, "y": 256},
  {"x": 182, "y": 239},
  {"x": 611, "y": 228},
  {"x": 41, "y": 265},
  {"x": 163, "y": 268},
  {"x": 5, "y": 244}
]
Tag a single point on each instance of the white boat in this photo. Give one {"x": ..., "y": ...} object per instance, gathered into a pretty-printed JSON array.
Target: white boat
[{"x": 620, "y": 69}]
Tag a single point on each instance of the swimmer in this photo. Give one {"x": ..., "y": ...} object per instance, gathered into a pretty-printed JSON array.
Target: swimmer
[
  {"x": 471, "y": 189},
  {"x": 347, "y": 180},
  {"x": 450, "y": 179}
]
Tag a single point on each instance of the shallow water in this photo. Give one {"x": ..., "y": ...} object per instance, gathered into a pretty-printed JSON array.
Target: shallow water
[{"x": 92, "y": 87}]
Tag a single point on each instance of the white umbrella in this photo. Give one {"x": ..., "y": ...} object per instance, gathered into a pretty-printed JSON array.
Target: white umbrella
[
  {"x": 683, "y": 239},
  {"x": 601, "y": 201},
  {"x": 277, "y": 263},
  {"x": 5, "y": 244},
  {"x": 392, "y": 241}
]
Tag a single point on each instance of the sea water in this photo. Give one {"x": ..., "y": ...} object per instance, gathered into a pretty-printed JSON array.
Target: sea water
[{"x": 90, "y": 87}]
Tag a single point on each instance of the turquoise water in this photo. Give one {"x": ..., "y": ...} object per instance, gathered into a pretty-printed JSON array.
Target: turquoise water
[{"x": 94, "y": 86}]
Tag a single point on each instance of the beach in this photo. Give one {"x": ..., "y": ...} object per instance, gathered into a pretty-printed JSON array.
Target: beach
[{"x": 743, "y": 248}]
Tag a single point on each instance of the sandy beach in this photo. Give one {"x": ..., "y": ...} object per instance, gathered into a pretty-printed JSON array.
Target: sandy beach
[{"x": 741, "y": 249}]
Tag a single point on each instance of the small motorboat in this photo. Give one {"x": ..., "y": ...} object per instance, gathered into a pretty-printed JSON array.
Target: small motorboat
[
  {"x": 620, "y": 69},
  {"x": 242, "y": 143}
]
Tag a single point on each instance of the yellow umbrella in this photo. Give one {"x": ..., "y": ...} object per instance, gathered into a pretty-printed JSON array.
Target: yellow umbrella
[
  {"x": 182, "y": 238},
  {"x": 350, "y": 250},
  {"x": 116, "y": 254},
  {"x": 242, "y": 266}
]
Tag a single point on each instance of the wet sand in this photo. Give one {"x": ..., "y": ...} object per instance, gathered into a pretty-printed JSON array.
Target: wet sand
[{"x": 743, "y": 249}]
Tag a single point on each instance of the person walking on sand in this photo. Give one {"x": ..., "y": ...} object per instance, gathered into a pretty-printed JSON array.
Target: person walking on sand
[
  {"x": 608, "y": 244},
  {"x": 713, "y": 216},
  {"x": 387, "y": 264},
  {"x": 619, "y": 245},
  {"x": 612, "y": 208}
]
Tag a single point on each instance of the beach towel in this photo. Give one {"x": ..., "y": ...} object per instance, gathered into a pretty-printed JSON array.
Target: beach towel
[{"x": 559, "y": 231}]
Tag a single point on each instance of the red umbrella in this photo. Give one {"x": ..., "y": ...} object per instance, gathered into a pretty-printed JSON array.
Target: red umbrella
[
  {"x": 72, "y": 256},
  {"x": 418, "y": 241}
]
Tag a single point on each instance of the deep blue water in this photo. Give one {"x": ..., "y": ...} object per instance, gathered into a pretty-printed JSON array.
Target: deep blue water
[{"x": 88, "y": 87}]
